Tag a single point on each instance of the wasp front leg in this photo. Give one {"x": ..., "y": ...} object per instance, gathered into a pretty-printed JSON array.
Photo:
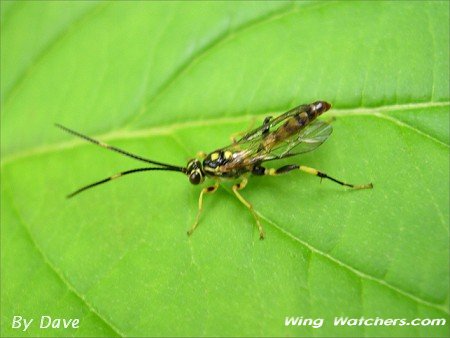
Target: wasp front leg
[
  {"x": 240, "y": 186},
  {"x": 287, "y": 168},
  {"x": 208, "y": 190}
]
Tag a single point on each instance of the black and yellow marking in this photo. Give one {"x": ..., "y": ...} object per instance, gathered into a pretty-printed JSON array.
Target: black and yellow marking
[
  {"x": 227, "y": 154},
  {"x": 312, "y": 171},
  {"x": 113, "y": 177},
  {"x": 276, "y": 138},
  {"x": 118, "y": 150}
]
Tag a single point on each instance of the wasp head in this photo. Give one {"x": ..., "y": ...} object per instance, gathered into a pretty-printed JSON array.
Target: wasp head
[{"x": 195, "y": 171}]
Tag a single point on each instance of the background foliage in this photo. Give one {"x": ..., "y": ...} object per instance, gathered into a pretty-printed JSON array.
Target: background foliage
[{"x": 166, "y": 80}]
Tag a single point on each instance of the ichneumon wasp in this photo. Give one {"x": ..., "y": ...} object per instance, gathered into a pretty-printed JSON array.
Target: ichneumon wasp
[{"x": 295, "y": 132}]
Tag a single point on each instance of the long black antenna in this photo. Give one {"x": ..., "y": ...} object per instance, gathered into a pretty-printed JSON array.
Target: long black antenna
[
  {"x": 123, "y": 173},
  {"x": 118, "y": 150}
]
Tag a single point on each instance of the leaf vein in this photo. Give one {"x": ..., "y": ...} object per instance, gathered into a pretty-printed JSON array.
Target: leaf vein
[
  {"x": 203, "y": 51},
  {"x": 170, "y": 129},
  {"x": 48, "y": 263},
  {"x": 15, "y": 86},
  {"x": 355, "y": 271}
]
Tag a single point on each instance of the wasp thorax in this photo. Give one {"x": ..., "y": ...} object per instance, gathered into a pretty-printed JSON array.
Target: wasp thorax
[{"x": 195, "y": 172}]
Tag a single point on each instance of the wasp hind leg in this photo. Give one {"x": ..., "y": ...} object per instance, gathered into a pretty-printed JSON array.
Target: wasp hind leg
[
  {"x": 240, "y": 186},
  {"x": 308, "y": 170},
  {"x": 207, "y": 190}
]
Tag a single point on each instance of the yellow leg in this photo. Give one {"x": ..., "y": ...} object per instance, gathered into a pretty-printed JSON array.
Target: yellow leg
[
  {"x": 316, "y": 172},
  {"x": 312, "y": 171},
  {"x": 208, "y": 190},
  {"x": 236, "y": 189}
]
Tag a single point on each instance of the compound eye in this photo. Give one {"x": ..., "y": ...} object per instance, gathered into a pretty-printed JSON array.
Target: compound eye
[{"x": 195, "y": 177}]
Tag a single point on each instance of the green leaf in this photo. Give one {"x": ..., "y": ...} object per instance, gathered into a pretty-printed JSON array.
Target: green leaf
[{"x": 166, "y": 80}]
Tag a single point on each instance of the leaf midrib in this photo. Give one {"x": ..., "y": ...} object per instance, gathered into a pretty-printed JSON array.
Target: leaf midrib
[{"x": 167, "y": 129}]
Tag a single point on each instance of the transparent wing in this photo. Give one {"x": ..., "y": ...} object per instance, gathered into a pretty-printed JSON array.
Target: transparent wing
[
  {"x": 247, "y": 150},
  {"x": 306, "y": 140},
  {"x": 257, "y": 133}
]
